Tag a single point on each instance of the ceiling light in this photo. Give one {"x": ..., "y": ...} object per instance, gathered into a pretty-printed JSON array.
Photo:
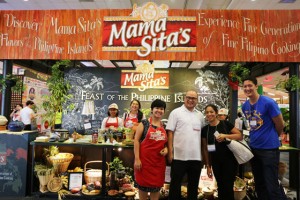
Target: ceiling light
[
  {"x": 139, "y": 62},
  {"x": 123, "y": 64},
  {"x": 215, "y": 64},
  {"x": 88, "y": 63},
  {"x": 198, "y": 64},
  {"x": 161, "y": 64},
  {"x": 105, "y": 63},
  {"x": 180, "y": 64}
]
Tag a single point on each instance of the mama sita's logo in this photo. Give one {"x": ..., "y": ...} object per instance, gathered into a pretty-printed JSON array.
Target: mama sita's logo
[{"x": 149, "y": 29}]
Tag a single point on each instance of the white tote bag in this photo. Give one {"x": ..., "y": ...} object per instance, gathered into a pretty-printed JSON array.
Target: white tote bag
[
  {"x": 240, "y": 150},
  {"x": 205, "y": 181}
]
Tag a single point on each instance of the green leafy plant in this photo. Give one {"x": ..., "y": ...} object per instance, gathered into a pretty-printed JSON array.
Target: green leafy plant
[
  {"x": 43, "y": 170},
  {"x": 237, "y": 72},
  {"x": 59, "y": 92},
  {"x": 15, "y": 82},
  {"x": 50, "y": 151},
  {"x": 286, "y": 118},
  {"x": 289, "y": 84},
  {"x": 116, "y": 165}
]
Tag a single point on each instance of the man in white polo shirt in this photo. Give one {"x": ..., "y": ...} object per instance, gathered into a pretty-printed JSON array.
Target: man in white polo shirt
[
  {"x": 27, "y": 115},
  {"x": 184, "y": 144}
]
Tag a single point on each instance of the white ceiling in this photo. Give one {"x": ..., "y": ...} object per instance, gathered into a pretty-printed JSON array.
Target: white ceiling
[{"x": 127, "y": 4}]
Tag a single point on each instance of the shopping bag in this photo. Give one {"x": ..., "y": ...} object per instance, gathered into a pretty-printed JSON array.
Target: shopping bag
[
  {"x": 240, "y": 150},
  {"x": 205, "y": 181}
]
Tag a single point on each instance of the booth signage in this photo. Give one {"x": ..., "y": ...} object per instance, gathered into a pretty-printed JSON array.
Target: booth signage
[
  {"x": 149, "y": 30},
  {"x": 145, "y": 77}
]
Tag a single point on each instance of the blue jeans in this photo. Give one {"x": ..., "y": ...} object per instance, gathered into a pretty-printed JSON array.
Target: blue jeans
[{"x": 265, "y": 170}]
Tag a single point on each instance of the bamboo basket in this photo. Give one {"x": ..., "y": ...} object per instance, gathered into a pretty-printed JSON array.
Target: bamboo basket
[
  {"x": 60, "y": 162},
  {"x": 92, "y": 175}
]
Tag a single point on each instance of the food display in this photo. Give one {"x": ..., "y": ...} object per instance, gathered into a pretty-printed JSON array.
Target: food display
[
  {"x": 91, "y": 189},
  {"x": 112, "y": 192}
]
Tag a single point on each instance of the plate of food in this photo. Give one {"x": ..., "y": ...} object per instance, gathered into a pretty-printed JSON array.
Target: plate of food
[
  {"x": 90, "y": 190},
  {"x": 90, "y": 193},
  {"x": 112, "y": 192},
  {"x": 129, "y": 194}
]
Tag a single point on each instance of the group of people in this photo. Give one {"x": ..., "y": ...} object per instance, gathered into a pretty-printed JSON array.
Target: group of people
[
  {"x": 188, "y": 143},
  {"x": 24, "y": 115}
]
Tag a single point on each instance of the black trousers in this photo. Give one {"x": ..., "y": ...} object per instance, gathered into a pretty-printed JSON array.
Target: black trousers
[
  {"x": 27, "y": 127},
  {"x": 225, "y": 169},
  {"x": 178, "y": 169}
]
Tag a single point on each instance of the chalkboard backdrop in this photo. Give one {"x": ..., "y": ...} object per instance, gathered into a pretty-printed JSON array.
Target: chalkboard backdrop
[{"x": 103, "y": 86}]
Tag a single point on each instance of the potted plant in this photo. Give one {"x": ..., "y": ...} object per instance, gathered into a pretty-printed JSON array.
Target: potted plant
[
  {"x": 289, "y": 84},
  {"x": 44, "y": 175},
  {"x": 13, "y": 81},
  {"x": 58, "y": 88},
  {"x": 237, "y": 72}
]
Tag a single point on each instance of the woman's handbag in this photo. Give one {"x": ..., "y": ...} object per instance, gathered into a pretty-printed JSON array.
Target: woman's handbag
[{"x": 240, "y": 150}]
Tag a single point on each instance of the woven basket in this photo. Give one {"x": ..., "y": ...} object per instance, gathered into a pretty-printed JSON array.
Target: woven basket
[
  {"x": 60, "y": 162},
  {"x": 55, "y": 184},
  {"x": 92, "y": 175}
]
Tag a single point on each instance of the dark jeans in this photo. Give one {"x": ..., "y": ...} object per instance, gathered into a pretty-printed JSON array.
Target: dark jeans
[
  {"x": 265, "y": 170},
  {"x": 178, "y": 169}
]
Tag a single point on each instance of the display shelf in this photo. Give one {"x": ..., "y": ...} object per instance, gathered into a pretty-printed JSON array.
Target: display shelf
[
  {"x": 104, "y": 148},
  {"x": 76, "y": 196}
]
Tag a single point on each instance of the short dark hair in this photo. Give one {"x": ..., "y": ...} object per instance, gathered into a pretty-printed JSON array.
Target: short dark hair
[
  {"x": 21, "y": 105},
  {"x": 250, "y": 78},
  {"x": 29, "y": 102},
  {"x": 158, "y": 103}
]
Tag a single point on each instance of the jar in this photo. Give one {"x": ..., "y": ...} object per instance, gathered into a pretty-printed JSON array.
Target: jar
[
  {"x": 15, "y": 126},
  {"x": 95, "y": 137}
]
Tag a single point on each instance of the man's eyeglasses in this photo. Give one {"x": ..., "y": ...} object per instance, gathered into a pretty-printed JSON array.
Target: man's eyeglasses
[{"x": 191, "y": 98}]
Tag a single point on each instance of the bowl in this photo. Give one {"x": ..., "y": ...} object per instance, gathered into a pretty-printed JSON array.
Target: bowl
[{"x": 207, "y": 192}]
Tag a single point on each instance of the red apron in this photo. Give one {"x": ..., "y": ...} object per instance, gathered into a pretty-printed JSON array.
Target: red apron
[
  {"x": 129, "y": 122},
  {"x": 152, "y": 173},
  {"x": 114, "y": 124}
]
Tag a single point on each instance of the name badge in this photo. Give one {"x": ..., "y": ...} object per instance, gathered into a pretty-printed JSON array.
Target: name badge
[
  {"x": 211, "y": 147},
  {"x": 196, "y": 127},
  {"x": 252, "y": 123}
]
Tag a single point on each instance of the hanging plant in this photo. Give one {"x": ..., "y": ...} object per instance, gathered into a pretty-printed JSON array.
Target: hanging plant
[
  {"x": 15, "y": 82},
  {"x": 289, "y": 84},
  {"x": 59, "y": 92},
  {"x": 237, "y": 72}
]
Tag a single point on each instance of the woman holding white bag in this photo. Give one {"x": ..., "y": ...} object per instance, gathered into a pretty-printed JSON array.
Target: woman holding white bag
[{"x": 224, "y": 164}]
